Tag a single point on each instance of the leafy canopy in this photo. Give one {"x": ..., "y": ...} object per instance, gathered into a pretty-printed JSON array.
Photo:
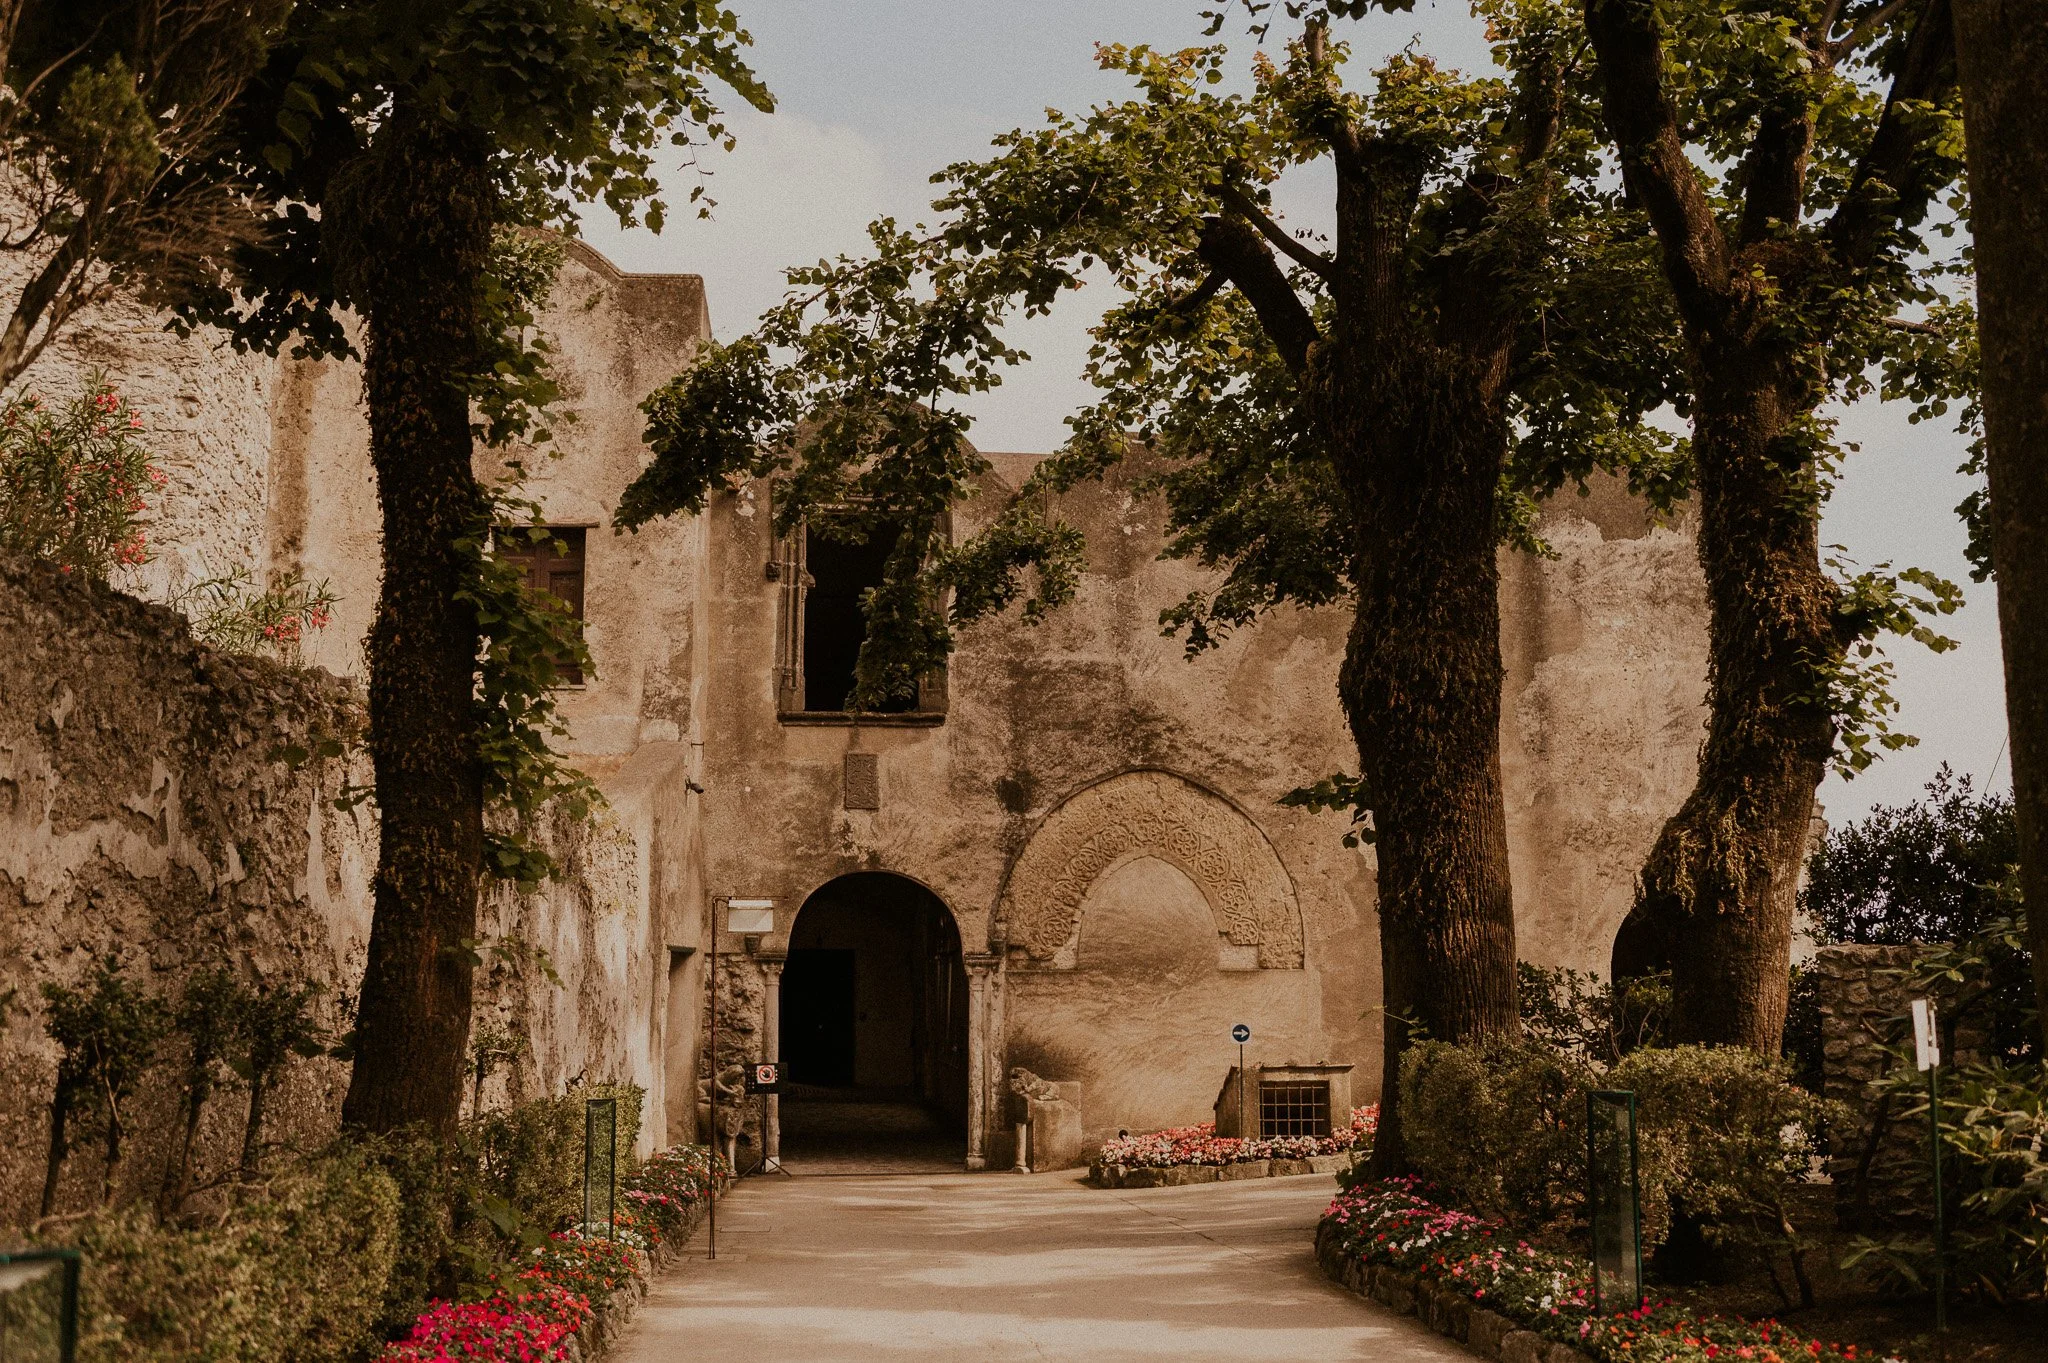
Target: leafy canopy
[{"x": 849, "y": 392}]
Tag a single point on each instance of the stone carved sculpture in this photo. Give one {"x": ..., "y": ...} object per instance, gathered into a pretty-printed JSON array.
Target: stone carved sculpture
[
  {"x": 1052, "y": 1113},
  {"x": 732, "y": 1115},
  {"x": 1156, "y": 814}
]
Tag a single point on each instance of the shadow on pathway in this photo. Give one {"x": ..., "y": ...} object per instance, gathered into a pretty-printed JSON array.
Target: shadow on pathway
[{"x": 971, "y": 1266}]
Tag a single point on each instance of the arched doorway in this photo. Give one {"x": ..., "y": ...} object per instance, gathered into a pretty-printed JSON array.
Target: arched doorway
[{"x": 873, "y": 1030}]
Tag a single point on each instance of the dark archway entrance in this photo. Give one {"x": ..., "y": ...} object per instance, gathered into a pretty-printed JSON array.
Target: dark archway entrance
[{"x": 874, "y": 1030}]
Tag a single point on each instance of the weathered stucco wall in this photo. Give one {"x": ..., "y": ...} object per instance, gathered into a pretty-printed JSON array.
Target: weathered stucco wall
[{"x": 144, "y": 812}]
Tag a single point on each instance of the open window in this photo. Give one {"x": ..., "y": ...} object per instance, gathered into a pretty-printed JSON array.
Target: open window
[
  {"x": 824, "y": 574},
  {"x": 553, "y": 563}
]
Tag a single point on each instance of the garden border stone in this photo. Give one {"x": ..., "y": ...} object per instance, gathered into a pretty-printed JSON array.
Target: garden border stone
[
  {"x": 1486, "y": 1333},
  {"x": 1179, "y": 1175}
]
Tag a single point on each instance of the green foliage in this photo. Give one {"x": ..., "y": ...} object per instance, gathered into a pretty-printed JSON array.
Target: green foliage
[
  {"x": 108, "y": 1030},
  {"x": 1504, "y": 1123},
  {"x": 233, "y": 613},
  {"x": 530, "y": 638},
  {"x": 73, "y": 478},
  {"x": 1723, "y": 1134},
  {"x": 1994, "y": 1177},
  {"x": 1857, "y": 684},
  {"x": 529, "y": 1159},
  {"x": 292, "y": 1274},
  {"x": 1921, "y": 872},
  {"x": 575, "y": 99},
  {"x": 1594, "y": 1020}
]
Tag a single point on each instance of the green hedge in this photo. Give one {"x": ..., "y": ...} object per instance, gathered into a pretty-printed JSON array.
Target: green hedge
[
  {"x": 293, "y": 1275},
  {"x": 1723, "y": 1133}
]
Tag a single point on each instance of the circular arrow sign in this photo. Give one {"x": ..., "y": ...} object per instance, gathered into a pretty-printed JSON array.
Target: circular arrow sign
[{"x": 1240, "y": 1034}]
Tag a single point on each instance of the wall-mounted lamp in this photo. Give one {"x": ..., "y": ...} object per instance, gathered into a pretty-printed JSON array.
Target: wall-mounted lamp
[{"x": 752, "y": 919}]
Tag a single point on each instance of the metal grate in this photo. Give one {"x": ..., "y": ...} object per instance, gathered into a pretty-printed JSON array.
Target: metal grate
[{"x": 1294, "y": 1109}]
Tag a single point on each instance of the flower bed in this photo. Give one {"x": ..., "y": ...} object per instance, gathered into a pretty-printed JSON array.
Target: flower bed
[
  {"x": 1468, "y": 1277},
  {"x": 568, "y": 1297},
  {"x": 1140, "y": 1161}
]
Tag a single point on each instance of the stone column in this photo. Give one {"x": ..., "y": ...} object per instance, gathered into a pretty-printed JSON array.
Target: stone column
[
  {"x": 979, "y": 1044},
  {"x": 771, "y": 1050}
]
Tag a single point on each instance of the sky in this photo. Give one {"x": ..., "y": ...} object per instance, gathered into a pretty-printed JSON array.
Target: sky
[{"x": 874, "y": 96}]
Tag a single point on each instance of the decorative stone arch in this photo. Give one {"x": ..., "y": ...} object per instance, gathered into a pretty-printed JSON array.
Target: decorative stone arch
[{"x": 1152, "y": 813}]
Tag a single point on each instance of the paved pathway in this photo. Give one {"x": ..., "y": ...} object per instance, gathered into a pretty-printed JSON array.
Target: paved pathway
[{"x": 1003, "y": 1266}]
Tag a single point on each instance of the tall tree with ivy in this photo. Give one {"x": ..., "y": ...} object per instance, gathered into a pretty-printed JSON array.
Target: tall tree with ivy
[
  {"x": 1788, "y": 155},
  {"x": 2002, "y": 51},
  {"x": 1359, "y": 421},
  {"x": 399, "y": 138}
]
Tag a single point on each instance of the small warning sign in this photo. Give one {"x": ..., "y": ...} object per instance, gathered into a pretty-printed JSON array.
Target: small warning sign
[{"x": 763, "y": 1078}]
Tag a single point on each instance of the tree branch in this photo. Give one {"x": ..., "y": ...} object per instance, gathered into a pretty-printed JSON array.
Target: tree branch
[
  {"x": 1234, "y": 251},
  {"x": 1654, "y": 164},
  {"x": 1888, "y": 186},
  {"x": 1775, "y": 169},
  {"x": 1240, "y": 203},
  {"x": 1865, "y": 26}
]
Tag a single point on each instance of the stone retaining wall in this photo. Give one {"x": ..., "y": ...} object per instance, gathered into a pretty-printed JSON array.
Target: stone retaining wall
[
  {"x": 1864, "y": 1002},
  {"x": 1486, "y": 1333}
]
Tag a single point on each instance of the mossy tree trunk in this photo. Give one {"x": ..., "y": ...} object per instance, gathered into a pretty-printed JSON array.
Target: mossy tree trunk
[
  {"x": 2002, "y": 51},
  {"x": 1755, "y": 295},
  {"x": 1413, "y": 413},
  {"x": 412, "y": 233}
]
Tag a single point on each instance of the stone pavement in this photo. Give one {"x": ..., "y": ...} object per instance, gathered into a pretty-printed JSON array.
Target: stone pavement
[{"x": 1015, "y": 1267}]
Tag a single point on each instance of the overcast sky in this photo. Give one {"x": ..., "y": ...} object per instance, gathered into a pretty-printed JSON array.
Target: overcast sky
[{"x": 876, "y": 95}]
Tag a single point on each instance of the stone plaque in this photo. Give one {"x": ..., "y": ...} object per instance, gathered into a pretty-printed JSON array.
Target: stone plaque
[{"x": 863, "y": 780}]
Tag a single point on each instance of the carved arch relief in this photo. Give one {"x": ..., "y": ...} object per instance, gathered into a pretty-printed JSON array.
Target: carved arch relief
[{"x": 1153, "y": 814}]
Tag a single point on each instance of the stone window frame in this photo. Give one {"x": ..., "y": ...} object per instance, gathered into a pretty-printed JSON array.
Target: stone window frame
[{"x": 789, "y": 571}]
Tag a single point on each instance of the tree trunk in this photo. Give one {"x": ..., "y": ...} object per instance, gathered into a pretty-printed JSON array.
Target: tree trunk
[
  {"x": 414, "y": 220},
  {"x": 1420, "y": 455},
  {"x": 252, "y": 1131},
  {"x": 2001, "y": 50},
  {"x": 53, "y": 1168},
  {"x": 1717, "y": 893}
]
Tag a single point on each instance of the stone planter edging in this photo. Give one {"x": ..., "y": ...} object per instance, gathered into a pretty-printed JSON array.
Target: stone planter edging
[
  {"x": 1180, "y": 1175},
  {"x": 1486, "y": 1333}
]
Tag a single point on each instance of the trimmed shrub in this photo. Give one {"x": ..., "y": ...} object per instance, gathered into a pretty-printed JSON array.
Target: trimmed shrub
[
  {"x": 529, "y": 1158},
  {"x": 293, "y": 1275},
  {"x": 1502, "y": 1123},
  {"x": 1723, "y": 1133}
]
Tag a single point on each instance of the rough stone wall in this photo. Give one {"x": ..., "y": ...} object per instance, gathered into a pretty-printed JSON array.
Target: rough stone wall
[
  {"x": 1865, "y": 1021},
  {"x": 206, "y": 416},
  {"x": 144, "y": 813}
]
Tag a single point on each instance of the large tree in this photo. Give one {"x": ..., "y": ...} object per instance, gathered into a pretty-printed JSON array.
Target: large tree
[
  {"x": 1357, "y": 421},
  {"x": 402, "y": 134},
  {"x": 2002, "y": 51},
  {"x": 1788, "y": 154}
]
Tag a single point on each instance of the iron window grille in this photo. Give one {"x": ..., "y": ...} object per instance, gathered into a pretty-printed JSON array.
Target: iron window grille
[{"x": 1294, "y": 1109}]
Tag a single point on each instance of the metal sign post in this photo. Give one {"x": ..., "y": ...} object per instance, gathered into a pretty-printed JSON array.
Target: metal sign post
[
  {"x": 1927, "y": 1055},
  {"x": 28, "y": 1317},
  {"x": 765, "y": 1079},
  {"x": 601, "y": 1164},
  {"x": 1241, "y": 1034},
  {"x": 1614, "y": 1199}
]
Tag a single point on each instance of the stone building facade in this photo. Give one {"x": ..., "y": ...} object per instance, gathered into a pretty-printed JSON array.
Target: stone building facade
[{"x": 1069, "y": 856}]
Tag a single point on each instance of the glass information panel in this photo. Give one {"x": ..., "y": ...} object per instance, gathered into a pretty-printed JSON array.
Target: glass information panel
[
  {"x": 38, "y": 1306},
  {"x": 1613, "y": 1200},
  {"x": 600, "y": 1164}
]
